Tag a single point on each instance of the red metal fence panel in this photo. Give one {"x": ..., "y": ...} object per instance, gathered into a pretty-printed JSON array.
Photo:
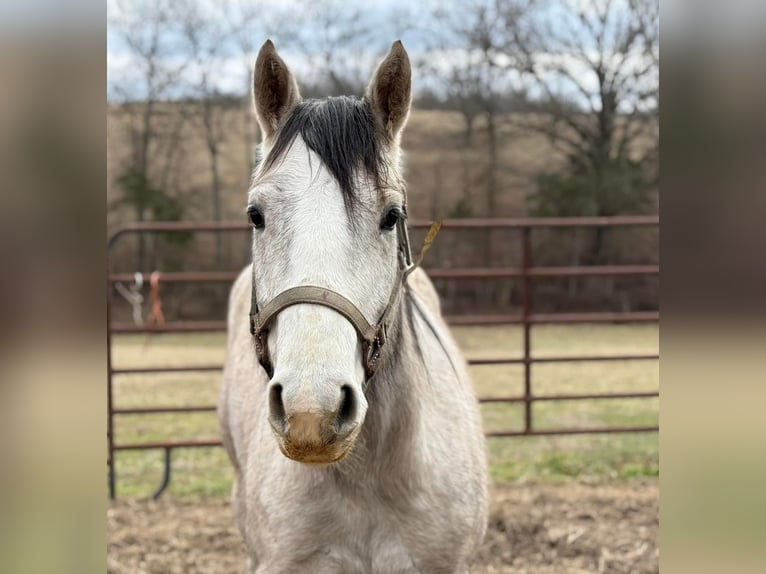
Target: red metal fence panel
[{"x": 527, "y": 318}]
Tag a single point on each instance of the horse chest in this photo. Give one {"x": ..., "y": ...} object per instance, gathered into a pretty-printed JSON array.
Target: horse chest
[
  {"x": 370, "y": 539},
  {"x": 334, "y": 531}
]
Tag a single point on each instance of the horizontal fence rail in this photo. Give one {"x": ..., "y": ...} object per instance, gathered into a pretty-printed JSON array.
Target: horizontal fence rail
[
  {"x": 526, "y": 273},
  {"x": 464, "y": 320}
]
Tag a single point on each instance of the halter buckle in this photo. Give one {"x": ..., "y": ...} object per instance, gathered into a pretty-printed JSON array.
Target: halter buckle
[
  {"x": 372, "y": 350},
  {"x": 262, "y": 351}
]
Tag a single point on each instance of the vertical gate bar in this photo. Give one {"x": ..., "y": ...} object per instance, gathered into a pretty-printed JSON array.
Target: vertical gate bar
[
  {"x": 166, "y": 474},
  {"x": 109, "y": 404},
  {"x": 526, "y": 290}
]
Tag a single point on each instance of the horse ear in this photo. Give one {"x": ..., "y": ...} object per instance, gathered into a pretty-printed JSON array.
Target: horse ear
[
  {"x": 275, "y": 91},
  {"x": 390, "y": 91}
]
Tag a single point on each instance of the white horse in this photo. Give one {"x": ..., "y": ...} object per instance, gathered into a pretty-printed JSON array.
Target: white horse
[{"x": 346, "y": 408}]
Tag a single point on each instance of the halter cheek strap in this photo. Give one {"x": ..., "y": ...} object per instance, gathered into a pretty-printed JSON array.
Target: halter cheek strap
[{"x": 373, "y": 337}]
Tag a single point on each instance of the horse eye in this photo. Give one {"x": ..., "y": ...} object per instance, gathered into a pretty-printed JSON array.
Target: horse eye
[
  {"x": 390, "y": 219},
  {"x": 256, "y": 217}
]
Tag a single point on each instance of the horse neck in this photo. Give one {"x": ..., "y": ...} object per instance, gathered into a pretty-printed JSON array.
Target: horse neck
[{"x": 386, "y": 440}]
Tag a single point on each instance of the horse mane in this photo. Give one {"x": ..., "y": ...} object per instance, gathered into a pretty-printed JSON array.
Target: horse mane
[{"x": 342, "y": 132}]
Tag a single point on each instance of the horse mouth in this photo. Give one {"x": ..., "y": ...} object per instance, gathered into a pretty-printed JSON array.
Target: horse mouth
[
  {"x": 319, "y": 460},
  {"x": 317, "y": 454}
]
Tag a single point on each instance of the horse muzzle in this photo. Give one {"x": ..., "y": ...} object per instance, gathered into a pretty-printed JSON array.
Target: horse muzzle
[{"x": 316, "y": 429}]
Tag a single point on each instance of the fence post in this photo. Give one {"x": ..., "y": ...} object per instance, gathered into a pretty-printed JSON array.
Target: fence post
[
  {"x": 109, "y": 403},
  {"x": 526, "y": 311}
]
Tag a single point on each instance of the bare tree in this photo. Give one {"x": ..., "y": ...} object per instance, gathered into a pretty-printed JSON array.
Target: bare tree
[
  {"x": 473, "y": 57},
  {"x": 594, "y": 64},
  {"x": 248, "y": 22},
  {"x": 338, "y": 40},
  {"x": 476, "y": 61},
  {"x": 147, "y": 31},
  {"x": 205, "y": 42}
]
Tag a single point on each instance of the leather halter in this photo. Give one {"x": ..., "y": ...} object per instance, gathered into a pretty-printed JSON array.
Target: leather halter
[{"x": 373, "y": 337}]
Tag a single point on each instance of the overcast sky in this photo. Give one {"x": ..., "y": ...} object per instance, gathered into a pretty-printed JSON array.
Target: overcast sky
[{"x": 387, "y": 20}]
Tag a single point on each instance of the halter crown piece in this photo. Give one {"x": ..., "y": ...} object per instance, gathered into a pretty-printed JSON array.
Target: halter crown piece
[{"x": 373, "y": 337}]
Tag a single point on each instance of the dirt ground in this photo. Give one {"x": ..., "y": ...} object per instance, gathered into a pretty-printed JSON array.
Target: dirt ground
[{"x": 533, "y": 529}]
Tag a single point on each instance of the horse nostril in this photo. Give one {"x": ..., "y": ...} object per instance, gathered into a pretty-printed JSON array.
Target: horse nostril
[
  {"x": 346, "y": 418},
  {"x": 277, "y": 406}
]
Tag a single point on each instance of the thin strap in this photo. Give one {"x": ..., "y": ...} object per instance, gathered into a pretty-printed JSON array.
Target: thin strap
[
  {"x": 253, "y": 301},
  {"x": 318, "y": 296},
  {"x": 434, "y": 331}
]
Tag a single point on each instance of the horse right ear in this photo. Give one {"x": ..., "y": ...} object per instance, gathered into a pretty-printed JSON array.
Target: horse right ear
[{"x": 275, "y": 91}]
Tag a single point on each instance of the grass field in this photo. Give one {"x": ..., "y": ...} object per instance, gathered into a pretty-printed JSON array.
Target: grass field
[{"x": 587, "y": 457}]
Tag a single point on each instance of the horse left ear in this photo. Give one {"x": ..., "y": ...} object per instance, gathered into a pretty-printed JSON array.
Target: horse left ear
[
  {"x": 275, "y": 92},
  {"x": 390, "y": 91}
]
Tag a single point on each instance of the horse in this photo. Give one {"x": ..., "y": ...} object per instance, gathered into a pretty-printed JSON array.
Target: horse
[{"x": 346, "y": 408}]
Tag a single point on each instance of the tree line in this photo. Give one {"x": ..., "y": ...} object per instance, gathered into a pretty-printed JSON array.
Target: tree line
[{"x": 582, "y": 73}]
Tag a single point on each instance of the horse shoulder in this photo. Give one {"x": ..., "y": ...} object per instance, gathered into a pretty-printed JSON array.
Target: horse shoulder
[
  {"x": 236, "y": 354},
  {"x": 239, "y": 301},
  {"x": 424, "y": 289},
  {"x": 471, "y": 497}
]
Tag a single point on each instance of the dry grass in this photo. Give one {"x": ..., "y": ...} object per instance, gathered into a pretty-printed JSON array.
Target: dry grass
[
  {"x": 439, "y": 170},
  {"x": 207, "y": 471}
]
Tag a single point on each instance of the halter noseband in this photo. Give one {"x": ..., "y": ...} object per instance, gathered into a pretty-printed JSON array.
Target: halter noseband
[{"x": 373, "y": 337}]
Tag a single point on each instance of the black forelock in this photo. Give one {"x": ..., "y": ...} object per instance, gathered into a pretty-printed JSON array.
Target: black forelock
[{"x": 341, "y": 131}]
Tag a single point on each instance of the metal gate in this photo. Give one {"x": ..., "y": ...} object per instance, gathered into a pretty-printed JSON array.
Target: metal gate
[{"x": 526, "y": 273}]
